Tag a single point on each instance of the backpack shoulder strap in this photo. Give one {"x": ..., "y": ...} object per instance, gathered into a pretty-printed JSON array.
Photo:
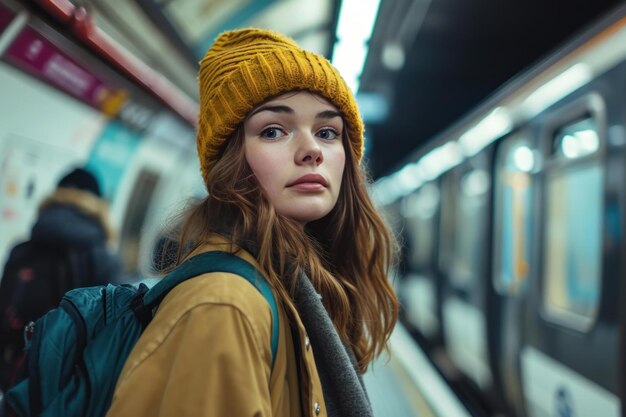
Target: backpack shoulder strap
[{"x": 216, "y": 261}]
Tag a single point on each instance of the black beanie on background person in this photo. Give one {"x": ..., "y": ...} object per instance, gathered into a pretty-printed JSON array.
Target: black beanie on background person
[{"x": 81, "y": 179}]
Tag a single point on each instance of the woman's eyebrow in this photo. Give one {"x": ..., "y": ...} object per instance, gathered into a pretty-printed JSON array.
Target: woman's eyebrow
[
  {"x": 328, "y": 114},
  {"x": 275, "y": 109}
]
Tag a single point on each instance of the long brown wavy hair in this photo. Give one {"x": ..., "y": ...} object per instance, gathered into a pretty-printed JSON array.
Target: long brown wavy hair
[{"x": 347, "y": 254}]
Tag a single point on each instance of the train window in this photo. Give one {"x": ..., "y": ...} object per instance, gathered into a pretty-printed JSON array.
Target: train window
[
  {"x": 573, "y": 232},
  {"x": 446, "y": 221},
  {"x": 513, "y": 203},
  {"x": 470, "y": 221},
  {"x": 576, "y": 140},
  {"x": 420, "y": 211}
]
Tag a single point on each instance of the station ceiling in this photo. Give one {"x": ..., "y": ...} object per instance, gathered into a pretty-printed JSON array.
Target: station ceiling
[
  {"x": 432, "y": 61},
  {"x": 461, "y": 53}
]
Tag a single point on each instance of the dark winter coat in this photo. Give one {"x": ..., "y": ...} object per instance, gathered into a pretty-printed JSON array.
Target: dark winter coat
[
  {"x": 68, "y": 248},
  {"x": 79, "y": 219}
]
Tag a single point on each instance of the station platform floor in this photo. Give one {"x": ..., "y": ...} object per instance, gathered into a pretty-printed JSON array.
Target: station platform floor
[{"x": 406, "y": 384}]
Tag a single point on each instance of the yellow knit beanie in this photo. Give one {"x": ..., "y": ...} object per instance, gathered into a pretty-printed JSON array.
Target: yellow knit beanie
[{"x": 244, "y": 68}]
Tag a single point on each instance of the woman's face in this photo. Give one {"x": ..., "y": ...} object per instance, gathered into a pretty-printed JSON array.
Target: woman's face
[{"x": 293, "y": 144}]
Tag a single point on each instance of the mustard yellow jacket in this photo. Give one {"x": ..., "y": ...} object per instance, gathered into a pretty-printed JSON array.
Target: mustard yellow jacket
[{"x": 207, "y": 352}]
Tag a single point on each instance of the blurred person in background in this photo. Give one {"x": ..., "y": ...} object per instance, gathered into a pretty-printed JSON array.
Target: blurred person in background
[{"x": 70, "y": 246}]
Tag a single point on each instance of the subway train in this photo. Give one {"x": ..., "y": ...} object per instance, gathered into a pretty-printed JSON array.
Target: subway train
[
  {"x": 512, "y": 222},
  {"x": 71, "y": 96}
]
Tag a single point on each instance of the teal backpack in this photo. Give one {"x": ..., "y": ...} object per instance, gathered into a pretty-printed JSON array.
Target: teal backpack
[{"x": 76, "y": 352}]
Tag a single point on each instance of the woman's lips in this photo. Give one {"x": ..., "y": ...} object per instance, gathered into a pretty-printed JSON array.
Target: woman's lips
[
  {"x": 309, "y": 182},
  {"x": 308, "y": 186}
]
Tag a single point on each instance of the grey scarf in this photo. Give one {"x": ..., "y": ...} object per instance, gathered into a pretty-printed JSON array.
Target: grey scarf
[{"x": 344, "y": 392}]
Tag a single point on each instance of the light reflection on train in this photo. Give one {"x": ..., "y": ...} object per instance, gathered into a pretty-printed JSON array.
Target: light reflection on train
[{"x": 513, "y": 229}]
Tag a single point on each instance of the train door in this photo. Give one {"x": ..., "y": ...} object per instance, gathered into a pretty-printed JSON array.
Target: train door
[
  {"x": 392, "y": 215},
  {"x": 465, "y": 301},
  {"x": 570, "y": 355},
  {"x": 420, "y": 290},
  {"x": 516, "y": 159}
]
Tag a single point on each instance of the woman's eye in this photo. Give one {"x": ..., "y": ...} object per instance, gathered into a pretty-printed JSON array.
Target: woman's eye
[
  {"x": 272, "y": 133},
  {"x": 328, "y": 134}
]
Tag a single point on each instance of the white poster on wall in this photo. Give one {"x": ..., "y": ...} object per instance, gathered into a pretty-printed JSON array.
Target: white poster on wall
[
  {"x": 42, "y": 135},
  {"x": 29, "y": 171}
]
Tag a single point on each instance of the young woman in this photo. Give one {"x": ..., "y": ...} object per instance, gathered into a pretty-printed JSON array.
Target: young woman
[{"x": 280, "y": 142}]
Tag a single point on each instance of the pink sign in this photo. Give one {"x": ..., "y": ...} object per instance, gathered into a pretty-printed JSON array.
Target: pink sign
[
  {"x": 33, "y": 53},
  {"x": 6, "y": 16}
]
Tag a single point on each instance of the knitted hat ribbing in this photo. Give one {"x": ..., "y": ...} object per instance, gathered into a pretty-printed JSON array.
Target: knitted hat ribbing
[{"x": 244, "y": 68}]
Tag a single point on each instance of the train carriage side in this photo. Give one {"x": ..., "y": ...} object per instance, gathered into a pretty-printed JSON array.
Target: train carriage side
[
  {"x": 529, "y": 237},
  {"x": 514, "y": 219},
  {"x": 570, "y": 352},
  {"x": 419, "y": 291}
]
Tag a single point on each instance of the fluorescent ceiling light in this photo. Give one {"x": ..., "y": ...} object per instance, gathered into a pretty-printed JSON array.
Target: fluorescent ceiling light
[
  {"x": 393, "y": 56},
  {"x": 356, "y": 19},
  {"x": 588, "y": 140},
  {"x": 560, "y": 86},
  {"x": 385, "y": 191},
  {"x": 475, "y": 183},
  {"x": 413, "y": 175},
  {"x": 354, "y": 29},
  {"x": 349, "y": 59},
  {"x": 579, "y": 144},
  {"x": 440, "y": 160},
  {"x": 496, "y": 124},
  {"x": 524, "y": 158}
]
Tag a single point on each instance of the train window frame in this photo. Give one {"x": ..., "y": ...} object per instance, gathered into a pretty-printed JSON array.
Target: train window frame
[
  {"x": 506, "y": 146},
  {"x": 479, "y": 162},
  {"x": 589, "y": 106},
  {"x": 446, "y": 232},
  {"x": 416, "y": 262}
]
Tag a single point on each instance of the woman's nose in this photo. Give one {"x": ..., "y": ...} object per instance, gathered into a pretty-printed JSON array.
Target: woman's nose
[{"x": 309, "y": 151}]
